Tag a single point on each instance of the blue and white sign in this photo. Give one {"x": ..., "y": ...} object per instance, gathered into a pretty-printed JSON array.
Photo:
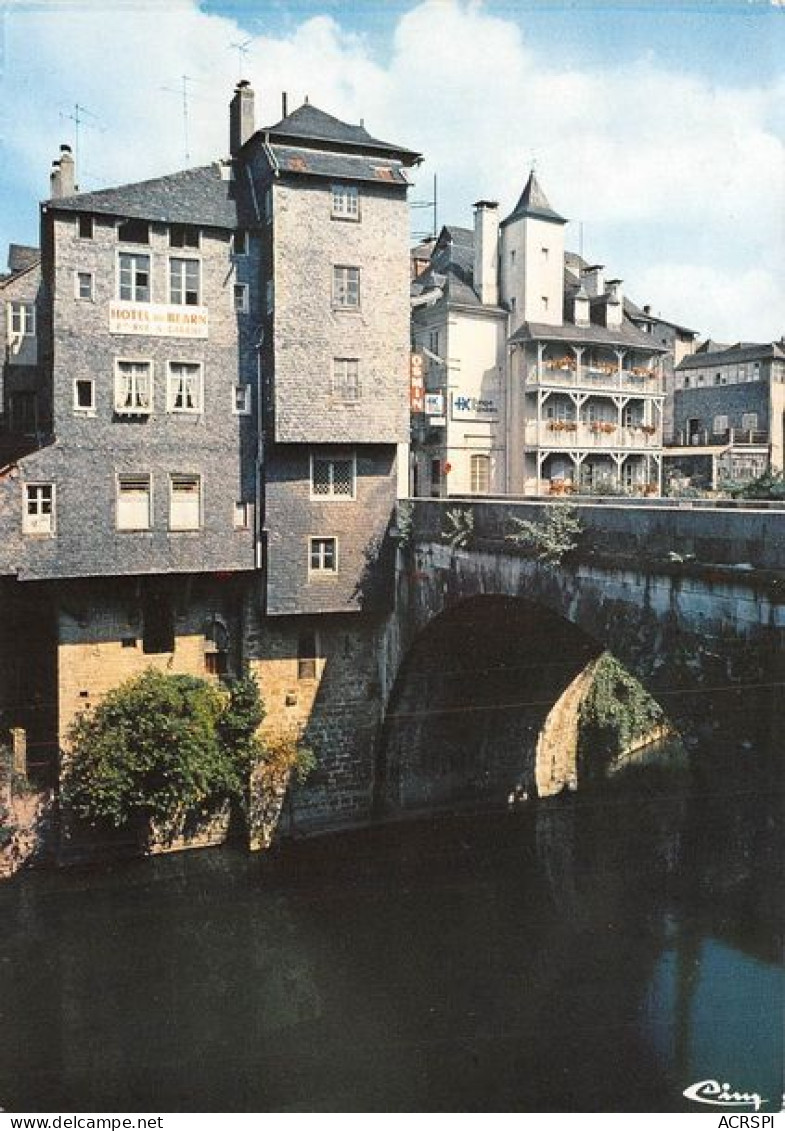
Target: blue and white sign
[{"x": 466, "y": 407}]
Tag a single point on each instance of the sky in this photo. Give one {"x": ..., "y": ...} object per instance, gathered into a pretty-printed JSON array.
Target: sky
[{"x": 657, "y": 128}]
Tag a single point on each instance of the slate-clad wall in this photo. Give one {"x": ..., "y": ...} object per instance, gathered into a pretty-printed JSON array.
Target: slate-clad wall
[
  {"x": 91, "y": 450},
  {"x": 721, "y": 400},
  {"x": 360, "y": 526},
  {"x": 309, "y": 332}
]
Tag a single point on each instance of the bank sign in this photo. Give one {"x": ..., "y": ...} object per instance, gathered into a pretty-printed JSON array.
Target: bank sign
[
  {"x": 463, "y": 407},
  {"x": 157, "y": 321}
]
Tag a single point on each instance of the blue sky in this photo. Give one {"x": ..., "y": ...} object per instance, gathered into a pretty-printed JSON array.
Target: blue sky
[{"x": 657, "y": 128}]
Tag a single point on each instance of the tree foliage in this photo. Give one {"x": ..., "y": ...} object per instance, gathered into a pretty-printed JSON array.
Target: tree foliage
[
  {"x": 552, "y": 537},
  {"x": 769, "y": 485},
  {"x": 160, "y": 745}
]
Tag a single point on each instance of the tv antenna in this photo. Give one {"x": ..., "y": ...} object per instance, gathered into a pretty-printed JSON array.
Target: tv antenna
[
  {"x": 185, "y": 94},
  {"x": 78, "y": 119},
  {"x": 242, "y": 50},
  {"x": 433, "y": 204}
]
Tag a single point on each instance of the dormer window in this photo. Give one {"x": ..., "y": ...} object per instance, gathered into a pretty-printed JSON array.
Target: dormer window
[
  {"x": 183, "y": 235},
  {"x": 346, "y": 202},
  {"x": 84, "y": 227},
  {"x": 133, "y": 231}
]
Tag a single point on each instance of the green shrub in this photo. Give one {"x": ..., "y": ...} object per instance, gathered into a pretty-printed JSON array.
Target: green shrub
[
  {"x": 552, "y": 537},
  {"x": 161, "y": 745}
]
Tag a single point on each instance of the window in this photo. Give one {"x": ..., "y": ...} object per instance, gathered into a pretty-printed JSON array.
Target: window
[
  {"x": 480, "y": 474},
  {"x": 306, "y": 655},
  {"x": 749, "y": 421},
  {"x": 133, "y": 502},
  {"x": 185, "y": 502},
  {"x": 157, "y": 622},
  {"x": 544, "y": 251},
  {"x": 184, "y": 386},
  {"x": 270, "y": 295},
  {"x": 39, "y": 511},
  {"x": 243, "y": 515},
  {"x": 268, "y": 206},
  {"x": 346, "y": 202},
  {"x": 324, "y": 555},
  {"x": 346, "y": 378},
  {"x": 22, "y": 319},
  {"x": 332, "y": 478},
  {"x": 240, "y": 242},
  {"x": 84, "y": 227},
  {"x": 240, "y": 298},
  {"x": 720, "y": 425},
  {"x": 84, "y": 395},
  {"x": 718, "y": 379},
  {"x": 183, "y": 235},
  {"x": 544, "y": 302},
  {"x": 133, "y": 231},
  {"x": 133, "y": 389},
  {"x": 241, "y": 405},
  {"x": 436, "y": 478},
  {"x": 23, "y": 412},
  {"x": 433, "y": 341},
  {"x": 216, "y": 663},
  {"x": 687, "y": 381},
  {"x": 513, "y": 303},
  {"x": 134, "y": 277},
  {"x": 184, "y": 282},
  {"x": 346, "y": 287},
  {"x": 83, "y": 285}
]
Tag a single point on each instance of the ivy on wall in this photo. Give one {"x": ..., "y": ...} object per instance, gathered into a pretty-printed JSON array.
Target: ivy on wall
[{"x": 615, "y": 713}]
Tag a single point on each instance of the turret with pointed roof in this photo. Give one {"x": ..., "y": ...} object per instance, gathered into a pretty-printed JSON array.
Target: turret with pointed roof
[
  {"x": 532, "y": 258},
  {"x": 534, "y": 202}
]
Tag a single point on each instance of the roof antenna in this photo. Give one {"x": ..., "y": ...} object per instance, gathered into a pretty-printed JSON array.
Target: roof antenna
[
  {"x": 306, "y": 103},
  {"x": 242, "y": 50},
  {"x": 183, "y": 92}
]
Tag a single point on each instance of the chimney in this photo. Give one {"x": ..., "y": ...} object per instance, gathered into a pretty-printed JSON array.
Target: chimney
[
  {"x": 241, "y": 116},
  {"x": 62, "y": 179},
  {"x": 647, "y": 308},
  {"x": 486, "y": 251},
  {"x": 581, "y": 310},
  {"x": 592, "y": 279},
  {"x": 614, "y": 307}
]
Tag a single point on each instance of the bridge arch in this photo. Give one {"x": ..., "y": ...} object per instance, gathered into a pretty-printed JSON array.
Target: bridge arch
[
  {"x": 485, "y": 706},
  {"x": 716, "y": 674}
]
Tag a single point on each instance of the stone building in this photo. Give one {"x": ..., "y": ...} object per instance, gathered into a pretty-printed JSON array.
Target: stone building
[
  {"x": 25, "y": 411},
  {"x": 225, "y": 351},
  {"x": 538, "y": 379},
  {"x": 729, "y": 413}
]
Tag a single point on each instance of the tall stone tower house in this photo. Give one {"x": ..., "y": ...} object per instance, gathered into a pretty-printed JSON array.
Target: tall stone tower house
[{"x": 223, "y": 353}]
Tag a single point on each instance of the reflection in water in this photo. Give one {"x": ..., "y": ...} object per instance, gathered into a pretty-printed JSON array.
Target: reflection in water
[{"x": 598, "y": 951}]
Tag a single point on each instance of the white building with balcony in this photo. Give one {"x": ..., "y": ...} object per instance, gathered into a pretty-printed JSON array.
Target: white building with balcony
[{"x": 538, "y": 381}]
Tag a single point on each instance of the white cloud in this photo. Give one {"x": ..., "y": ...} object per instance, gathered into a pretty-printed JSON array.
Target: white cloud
[{"x": 663, "y": 166}]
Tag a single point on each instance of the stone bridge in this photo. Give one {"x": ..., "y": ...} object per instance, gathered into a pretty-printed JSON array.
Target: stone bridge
[{"x": 491, "y": 650}]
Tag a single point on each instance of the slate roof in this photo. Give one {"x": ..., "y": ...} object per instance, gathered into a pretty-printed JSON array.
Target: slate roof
[
  {"x": 738, "y": 354},
  {"x": 20, "y": 257},
  {"x": 191, "y": 196},
  {"x": 534, "y": 202},
  {"x": 627, "y": 335},
  {"x": 349, "y": 167},
  {"x": 309, "y": 123}
]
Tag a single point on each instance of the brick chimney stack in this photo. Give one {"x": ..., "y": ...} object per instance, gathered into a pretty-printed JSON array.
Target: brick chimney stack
[
  {"x": 241, "y": 116},
  {"x": 62, "y": 179}
]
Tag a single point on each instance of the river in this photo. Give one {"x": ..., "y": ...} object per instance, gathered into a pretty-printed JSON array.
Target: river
[{"x": 600, "y": 951}]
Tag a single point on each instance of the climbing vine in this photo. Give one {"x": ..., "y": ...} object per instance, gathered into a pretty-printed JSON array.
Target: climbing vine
[{"x": 616, "y": 711}]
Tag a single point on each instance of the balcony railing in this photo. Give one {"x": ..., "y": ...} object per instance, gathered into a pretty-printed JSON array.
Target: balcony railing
[
  {"x": 596, "y": 434},
  {"x": 593, "y": 377},
  {"x": 737, "y": 437}
]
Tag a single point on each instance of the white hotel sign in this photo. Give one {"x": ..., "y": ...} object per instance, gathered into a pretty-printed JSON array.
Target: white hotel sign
[{"x": 157, "y": 321}]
